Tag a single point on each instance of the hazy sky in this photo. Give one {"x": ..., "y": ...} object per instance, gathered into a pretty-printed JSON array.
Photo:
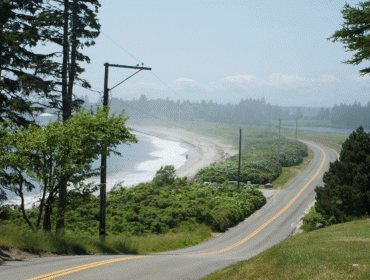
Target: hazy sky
[{"x": 226, "y": 51}]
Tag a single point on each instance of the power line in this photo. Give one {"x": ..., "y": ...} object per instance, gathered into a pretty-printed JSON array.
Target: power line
[{"x": 119, "y": 46}]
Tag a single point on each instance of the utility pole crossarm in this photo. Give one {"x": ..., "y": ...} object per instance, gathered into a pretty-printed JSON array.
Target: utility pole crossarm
[{"x": 126, "y": 66}]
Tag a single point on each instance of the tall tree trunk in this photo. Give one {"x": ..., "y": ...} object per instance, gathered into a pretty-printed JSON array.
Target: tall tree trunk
[
  {"x": 66, "y": 115},
  {"x": 74, "y": 45},
  {"x": 47, "y": 216},
  {"x": 41, "y": 207},
  {"x": 22, "y": 202}
]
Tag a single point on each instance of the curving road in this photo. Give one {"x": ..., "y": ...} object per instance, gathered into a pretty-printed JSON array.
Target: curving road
[{"x": 265, "y": 228}]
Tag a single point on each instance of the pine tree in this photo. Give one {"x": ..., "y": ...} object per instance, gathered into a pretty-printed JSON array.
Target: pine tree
[
  {"x": 26, "y": 86},
  {"x": 354, "y": 33},
  {"x": 74, "y": 26},
  {"x": 346, "y": 193}
]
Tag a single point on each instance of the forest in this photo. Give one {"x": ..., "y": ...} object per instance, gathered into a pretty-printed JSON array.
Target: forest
[{"x": 247, "y": 111}]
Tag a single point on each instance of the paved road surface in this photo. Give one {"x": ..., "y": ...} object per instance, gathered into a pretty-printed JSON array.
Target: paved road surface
[{"x": 267, "y": 227}]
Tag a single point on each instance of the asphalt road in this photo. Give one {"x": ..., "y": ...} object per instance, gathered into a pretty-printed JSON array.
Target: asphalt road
[{"x": 265, "y": 228}]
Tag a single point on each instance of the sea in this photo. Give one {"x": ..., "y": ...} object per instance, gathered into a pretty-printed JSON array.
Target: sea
[
  {"x": 139, "y": 163},
  {"x": 327, "y": 129}
]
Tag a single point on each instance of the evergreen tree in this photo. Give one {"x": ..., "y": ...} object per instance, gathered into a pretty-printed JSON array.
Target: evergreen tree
[
  {"x": 25, "y": 79},
  {"x": 346, "y": 193},
  {"x": 354, "y": 33},
  {"x": 72, "y": 25}
]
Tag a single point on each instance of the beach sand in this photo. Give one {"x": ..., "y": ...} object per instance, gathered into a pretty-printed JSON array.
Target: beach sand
[{"x": 203, "y": 151}]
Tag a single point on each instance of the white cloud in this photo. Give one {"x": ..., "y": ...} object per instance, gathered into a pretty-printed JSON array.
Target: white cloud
[
  {"x": 184, "y": 80},
  {"x": 278, "y": 79},
  {"x": 240, "y": 78},
  {"x": 326, "y": 78},
  {"x": 359, "y": 78},
  {"x": 275, "y": 80}
]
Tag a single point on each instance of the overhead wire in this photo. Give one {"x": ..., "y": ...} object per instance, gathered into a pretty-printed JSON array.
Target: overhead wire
[
  {"x": 101, "y": 92},
  {"x": 152, "y": 72}
]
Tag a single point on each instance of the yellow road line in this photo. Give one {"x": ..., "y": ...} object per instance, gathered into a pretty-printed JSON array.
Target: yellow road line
[
  {"x": 82, "y": 267},
  {"x": 271, "y": 219}
]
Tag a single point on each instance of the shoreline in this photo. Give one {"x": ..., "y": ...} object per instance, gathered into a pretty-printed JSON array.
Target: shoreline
[{"x": 203, "y": 151}]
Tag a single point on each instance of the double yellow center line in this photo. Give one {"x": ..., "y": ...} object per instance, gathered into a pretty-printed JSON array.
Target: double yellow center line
[{"x": 82, "y": 267}]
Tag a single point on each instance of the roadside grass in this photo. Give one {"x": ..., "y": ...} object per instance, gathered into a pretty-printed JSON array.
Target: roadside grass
[
  {"x": 329, "y": 253},
  {"x": 72, "y": 244},
  {"x": 289, "y": 173},
  {"x": 154, "y": 243}
]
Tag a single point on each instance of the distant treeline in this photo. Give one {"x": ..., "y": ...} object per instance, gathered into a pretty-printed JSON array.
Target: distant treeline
[
  {"x": 351, "y": 115},
  {"x": 249, "y": 111}
]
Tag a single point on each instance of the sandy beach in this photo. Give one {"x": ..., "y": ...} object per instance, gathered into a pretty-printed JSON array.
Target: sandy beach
[{"x": 203, "y": 151}]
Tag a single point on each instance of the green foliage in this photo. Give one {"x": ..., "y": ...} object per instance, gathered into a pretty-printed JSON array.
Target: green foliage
[
  {"x": 354, "y": 33},
  {"x": 165, "y": 175},
  {"x": 58, "y": 152},
  {"x": 69, "y": 243},
  {"x": 346, "y": 193},
  {"x": 248, "y": 111},
  {"x": 311, "y": 219},
  {"x": 259, "y": 160},
  {"x": 24, "y": 83},
  {"x": 148, "y": 208}
]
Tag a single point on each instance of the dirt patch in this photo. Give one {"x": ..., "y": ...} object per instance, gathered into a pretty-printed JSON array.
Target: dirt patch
[{"x": 12, "y": 253}]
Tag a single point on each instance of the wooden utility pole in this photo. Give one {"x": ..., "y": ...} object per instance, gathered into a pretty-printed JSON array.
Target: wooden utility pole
[
  {"x": 240, "y": 154},
  {"x": 296, "y": 130},
  {"x": 103, "y": 174},
  {"x": 278, "y": 157}
]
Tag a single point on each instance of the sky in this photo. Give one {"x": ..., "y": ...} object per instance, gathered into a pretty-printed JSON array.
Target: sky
[{"x": 226, "y": 51}]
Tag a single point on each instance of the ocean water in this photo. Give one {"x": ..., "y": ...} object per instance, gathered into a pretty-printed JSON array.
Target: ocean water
[
  {"x": 139, "y": 163},
  {"x": 326, "y": 129}
]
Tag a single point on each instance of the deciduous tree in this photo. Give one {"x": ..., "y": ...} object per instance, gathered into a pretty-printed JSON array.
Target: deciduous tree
[{"x": 57, "y": 153}]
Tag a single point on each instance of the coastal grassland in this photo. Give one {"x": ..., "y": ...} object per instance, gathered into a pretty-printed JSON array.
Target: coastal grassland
[
  {"x": 150, "y": 217},
  {"x": 229, "y": 133},
  {"x": 332, "y": 140},
  {"x": 336, "y": 252}
]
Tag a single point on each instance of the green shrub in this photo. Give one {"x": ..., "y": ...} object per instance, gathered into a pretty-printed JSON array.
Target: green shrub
[
  {"x": 259, "y": 161},
  {"x": 148, "y": 208},
  {"x": 311, "y": 219}
]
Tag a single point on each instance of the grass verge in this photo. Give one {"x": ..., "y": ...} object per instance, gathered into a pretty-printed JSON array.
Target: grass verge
[
  {"x": 25, "y": 240},
  {"x": 336, "y": 252}
]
